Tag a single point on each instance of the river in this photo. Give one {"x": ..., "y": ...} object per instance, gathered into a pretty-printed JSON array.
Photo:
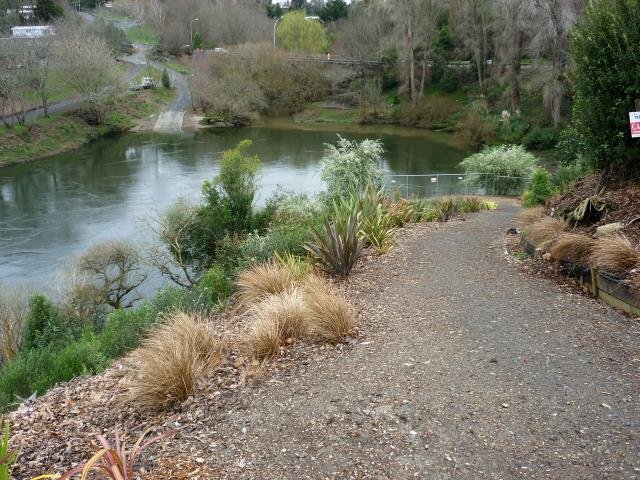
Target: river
[{"x": 54, "y": 209}]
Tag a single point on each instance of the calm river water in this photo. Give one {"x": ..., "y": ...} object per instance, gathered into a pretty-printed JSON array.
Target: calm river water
[{"x": 54, "y": 209}]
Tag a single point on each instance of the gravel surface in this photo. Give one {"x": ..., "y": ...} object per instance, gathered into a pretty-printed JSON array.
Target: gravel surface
[{"x": 464, "y": 368}]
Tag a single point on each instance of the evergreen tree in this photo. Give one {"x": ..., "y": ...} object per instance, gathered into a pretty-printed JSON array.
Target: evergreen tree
[
  {"x": 47, "y": 10},
  {"x": 334, "y": 10}
]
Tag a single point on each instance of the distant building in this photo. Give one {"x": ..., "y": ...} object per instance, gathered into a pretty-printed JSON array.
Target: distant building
[
  {"x": 27, "y": 12},
  {"x": 32, "y": 31}
]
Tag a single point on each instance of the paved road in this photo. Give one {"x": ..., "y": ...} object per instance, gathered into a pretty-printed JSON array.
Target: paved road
[
  {"x": 137, "y": 64},
  {"x": 170, "y": 120}
]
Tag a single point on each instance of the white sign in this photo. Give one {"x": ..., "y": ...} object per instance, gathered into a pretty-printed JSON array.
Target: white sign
[{"x": 634, "y": 121}]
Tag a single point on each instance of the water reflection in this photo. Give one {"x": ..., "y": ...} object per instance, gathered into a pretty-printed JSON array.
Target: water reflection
[{"x": 52, "y": 210}]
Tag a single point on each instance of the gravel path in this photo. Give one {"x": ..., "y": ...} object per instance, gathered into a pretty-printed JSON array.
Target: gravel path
[{"x": 465, "y": 368}]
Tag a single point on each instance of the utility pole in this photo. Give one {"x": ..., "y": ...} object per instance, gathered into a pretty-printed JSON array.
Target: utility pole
[
  {"x": 191, "y": 31},
  {"x": 274, "y": 30}
]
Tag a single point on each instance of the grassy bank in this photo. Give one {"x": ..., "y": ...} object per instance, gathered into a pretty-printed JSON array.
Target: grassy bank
[{"x": 59, "y": 133}]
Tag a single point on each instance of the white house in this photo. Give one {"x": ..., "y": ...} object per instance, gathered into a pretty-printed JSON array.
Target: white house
[{"x": 32, "y": 31}]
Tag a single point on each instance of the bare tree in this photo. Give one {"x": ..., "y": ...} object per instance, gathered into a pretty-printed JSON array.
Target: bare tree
[
  {"x": 15, "y": 81},
  {"x": 510, "y": 29},
  {"x": 13, "y": 314},
  {"x": 41, "y": 52},
  {"x": 552, "y": 22},
  {"x": 471, "y": 24},
  {"x": 172, "y": 256},
  {"x": 415, "y": 23},
  {"x": 87, "y": 67},
  {"x": 365, "y": 32},
  {"x": 112, "y": 271}
]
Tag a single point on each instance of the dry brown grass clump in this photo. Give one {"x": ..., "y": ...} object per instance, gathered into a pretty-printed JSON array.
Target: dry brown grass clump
[
  {"x": 172, "y": 360},
  {"x": 572, "y": 246},
  {"x": 530, "y": 216},
  {"x": 330, "y": 316},
  {"x": 259, "y": 281},
  {"x": 614, "y": 253},
  {"x": 276, "y": 321},
  {"x": 545, "y": 230}
]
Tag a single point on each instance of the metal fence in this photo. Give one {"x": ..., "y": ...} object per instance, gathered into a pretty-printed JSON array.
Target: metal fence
[{"x": 443, "y": 184}]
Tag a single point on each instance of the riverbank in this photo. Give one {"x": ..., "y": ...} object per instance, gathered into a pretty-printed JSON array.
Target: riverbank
[
  {"x": 60, "y": 133},
  {"x": 461, "y": 385}
]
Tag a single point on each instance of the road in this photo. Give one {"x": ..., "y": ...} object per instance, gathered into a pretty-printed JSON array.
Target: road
[{"x": 170, "y": 120}]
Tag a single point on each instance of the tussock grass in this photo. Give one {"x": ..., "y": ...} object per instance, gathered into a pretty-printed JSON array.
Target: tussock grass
[
  {"x": 276, "y": 321},
  {"x": 576, "y": 247},
  {"x": 172, "y": 360},
  {"x": 614, "y": 253},
  {"x": 330, "y": 317},
  {"x": 545, "y": 230},
  {"x": 530, "y": 216},
  {"x": 262, "y": 280}
]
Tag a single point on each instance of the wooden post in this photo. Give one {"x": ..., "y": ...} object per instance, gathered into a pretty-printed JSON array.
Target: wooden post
[{"x": 594, "y": 281}]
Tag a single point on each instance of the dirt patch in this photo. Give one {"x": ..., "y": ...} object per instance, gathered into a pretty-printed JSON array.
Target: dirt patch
[{"x": 622, "y": 204}]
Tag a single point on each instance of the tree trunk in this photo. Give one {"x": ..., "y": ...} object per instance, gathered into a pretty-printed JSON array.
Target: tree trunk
[
  {"x": 425, "y": 72},
  {"x": 479, "y": 61},
  {"x": 412, "y": 75},
  {"x": 556, "y": 96},
  {"x": 515, "y": 71}
]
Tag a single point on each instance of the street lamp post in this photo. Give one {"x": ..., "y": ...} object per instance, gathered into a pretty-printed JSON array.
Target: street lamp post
[
  {"x": 191, "y": 31},
  {"x": 274, "y": 30}
]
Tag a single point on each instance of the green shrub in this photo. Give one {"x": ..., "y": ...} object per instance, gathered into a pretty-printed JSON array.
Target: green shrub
[
  {"x": 45, "y": 325},
  {"x": 432, "y": 112},
  {"x": 477, "y": 129},
  {"x": 540, "y": 139},
  {"x": 567, "y": 175},
  {"x": 450, "y": 82},
  {"x": 377, "y": 224},
  {"x": 189, "y": 300},
  {"x": 35, "y": 371},
  {"x": 350, "y": 166},
  {"x": 166, "y": 79},
  {"x": 123, "y": 331},
  {"x": 216, "y": 284},
  {"x": 539, "y": 189},
  {"x": 193, "y": 234},
  {"x": 336, "y": 247},
  {"x": 279, "y": 239},
  {"x": 606, "y": 83},
  {"x": 512, "y": 131},
  {"x": 7, "y": 457},
  {"x": 503, "y": 170},
  {"x": 470, "y": 205},
  {"x": 78, "y": 358}
]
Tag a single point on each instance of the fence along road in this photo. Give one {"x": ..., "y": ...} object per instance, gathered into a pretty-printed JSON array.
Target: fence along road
[{"x": 439, "y": 184}]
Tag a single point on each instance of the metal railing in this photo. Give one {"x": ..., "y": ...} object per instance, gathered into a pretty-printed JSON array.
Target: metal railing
[{"x": 443, "y": 184}]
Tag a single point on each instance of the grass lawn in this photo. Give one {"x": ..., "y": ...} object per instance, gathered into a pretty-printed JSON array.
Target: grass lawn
[
  {"x": 143, "y": 34},
  {"x": 111, "y": 15},
  {"x": 178, "y": 66},
  {"x": 319, "y": 113},
  {"x": 58, "y": 133}
]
